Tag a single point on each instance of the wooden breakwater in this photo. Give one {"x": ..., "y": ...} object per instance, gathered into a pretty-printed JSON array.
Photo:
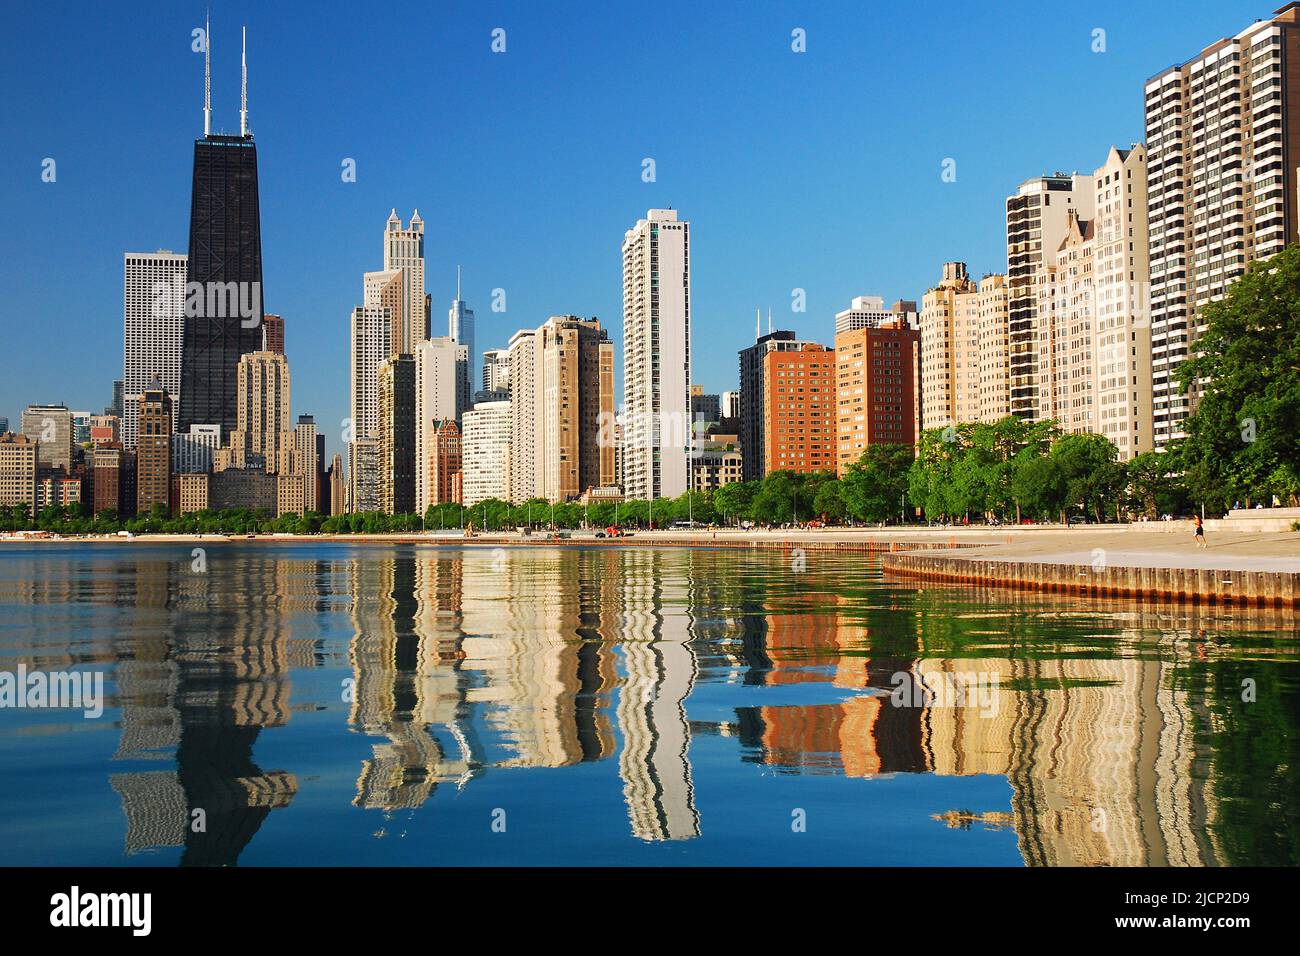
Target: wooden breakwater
[{"x": 1230, "y": 588}]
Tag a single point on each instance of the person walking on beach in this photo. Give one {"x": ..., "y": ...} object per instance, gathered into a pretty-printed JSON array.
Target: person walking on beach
[{"x": 1200, "y": 533}]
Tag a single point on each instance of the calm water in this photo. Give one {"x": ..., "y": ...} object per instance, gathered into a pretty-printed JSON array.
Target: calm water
[{"x": 356, "y": 704}]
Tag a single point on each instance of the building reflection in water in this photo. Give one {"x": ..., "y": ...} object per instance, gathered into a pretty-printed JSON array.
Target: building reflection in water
[{"x": 481, "y": 660}]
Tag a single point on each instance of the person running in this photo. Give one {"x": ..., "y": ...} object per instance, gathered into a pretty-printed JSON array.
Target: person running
[{"x": 1200, "y": 533}]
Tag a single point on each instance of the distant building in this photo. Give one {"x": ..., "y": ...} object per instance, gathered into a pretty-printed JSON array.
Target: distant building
[
  {"x": 253, "y": 489},
  {"x": 444, "y": 465},
  {"x": 496, "y": 370},
  {"x": 192, "y": 492},
  {"x": 154, "y": 451},
  {"x": 17, "y": 470},
  {"x": 869, "y": 312},
  {"x": 105, "y": 429},
  {"x": 273, "y": 334},
  {"x": 460, "y": 329},
  {"x": 262, "y": 408},
  {"x": 153, "y": 324},
  {"x": 730, "y": 405},
  {"x": 51, "y": 427},
  {"x": 397, "y": 435},
  {"x": 108, "y": 468},
  {"x": 58, "y": 490},
  {"x": 194, "y": 451},
  {"x": 338, "y": 487},
  {"x": 438, "y": 365},
  {"x": 705, "y": 407}
]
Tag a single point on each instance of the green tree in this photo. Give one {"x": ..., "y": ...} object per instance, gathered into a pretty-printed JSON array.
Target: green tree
[
  {"x": 875, "y": 485},
  {"x": 1243, "y": 439}
]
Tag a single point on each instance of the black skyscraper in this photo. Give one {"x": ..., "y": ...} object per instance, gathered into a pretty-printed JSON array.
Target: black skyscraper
[{"x": 225, "y": 259}]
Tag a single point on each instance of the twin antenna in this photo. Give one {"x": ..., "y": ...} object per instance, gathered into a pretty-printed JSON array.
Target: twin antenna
[{"x": 207, "y": 81}]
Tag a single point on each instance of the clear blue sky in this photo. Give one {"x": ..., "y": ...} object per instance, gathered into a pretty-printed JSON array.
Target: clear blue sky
[{"x": 818, "y": 170}]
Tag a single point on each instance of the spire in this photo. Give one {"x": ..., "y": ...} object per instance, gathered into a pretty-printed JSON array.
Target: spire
[
  {"x": 758, "y": 323},
  {"x": 243, "y": 89},
  {"x": 458, "y": 283},
  {"x": 769, "y": 320},
  {"x": 207, "y": 75}
]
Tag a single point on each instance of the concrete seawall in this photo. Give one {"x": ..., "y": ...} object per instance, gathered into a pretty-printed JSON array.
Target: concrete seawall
[{"x": 1236, "y": 588}]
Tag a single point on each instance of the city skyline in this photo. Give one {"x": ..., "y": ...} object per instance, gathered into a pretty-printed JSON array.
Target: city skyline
[{"x": 735, "y": 274}]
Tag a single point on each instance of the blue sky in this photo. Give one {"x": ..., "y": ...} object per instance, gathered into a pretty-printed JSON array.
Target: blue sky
[{"x": 818, "y": 170}]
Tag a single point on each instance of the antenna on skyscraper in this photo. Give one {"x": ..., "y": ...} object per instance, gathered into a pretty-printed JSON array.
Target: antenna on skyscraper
[
  {"x": 758, "y": 323},
  {"x": 769, "y": 320},
  {"x": 457, "y": 283},
  {"x": 207, "y": 74},
  {"x": 243, "y": 89}
]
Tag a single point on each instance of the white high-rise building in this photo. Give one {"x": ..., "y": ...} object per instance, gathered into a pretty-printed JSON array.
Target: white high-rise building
[
  {"x": 194, "y": 451},
  {"x": 460, "y": 327},
  {"x": 404, "y": 251},
  {"x": 485, "y": 453},
  {"x": 1223, "y": 141},
  {"x": 656, "y": 356},
  {"x": 370, "y": 347},
  {"x": 153, "y": 313},
  {"x": 436, "y": 363},
  {"x": 525, "y": 360},
  {"x": 496, "y": 370},
  {"x": 730, "y": 404},
  {"x": 868, "y": 311}
]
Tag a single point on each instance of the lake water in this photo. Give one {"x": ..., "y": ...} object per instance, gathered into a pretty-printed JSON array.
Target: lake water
[{"x": 324, "y": 703}]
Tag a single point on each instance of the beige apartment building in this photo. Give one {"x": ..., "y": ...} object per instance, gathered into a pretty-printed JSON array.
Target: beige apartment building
[
  {"x": 965, "y": 350},
  {"x": 17, "y": 470},
  {"x": 262, "y": 417},
  {"x": 1037, "y": 217},
  {"x": 1223, "y": 135},
  {"x": 577, "y": 396},
  {"x": 1093, "y": 337}
]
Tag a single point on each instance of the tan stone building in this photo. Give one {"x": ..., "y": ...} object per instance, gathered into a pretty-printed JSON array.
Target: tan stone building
[
  {"x": 154, "y": 449},
  {"x": 263, "y": 413},
  {"x": 17, "y": 470},
  {"x": 965, "y": 350},
  {"x": 577, "y": 389}
]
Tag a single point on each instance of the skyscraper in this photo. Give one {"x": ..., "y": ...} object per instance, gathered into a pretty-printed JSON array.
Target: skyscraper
[
  {"x": 496, "y": 370},
  {"x": 223, "y": 321},
  {"x": 397, "y": 435},
  {"x": 577, "y": 406},
  {"x": 154, "y": 456},
  {"x": 153, "y": 320},
  {"x": 460, "y": 326},
  {"x": 656, "y": 355},
  {"x": 1036, "y": 224},
  {"x": 404, "y": 252},
  {"x": 437, "y": 362},
  {"x": 1223, "y": 136},
  {"x": 525, "y": 411},
  {"x": 262, "y": 394}
]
